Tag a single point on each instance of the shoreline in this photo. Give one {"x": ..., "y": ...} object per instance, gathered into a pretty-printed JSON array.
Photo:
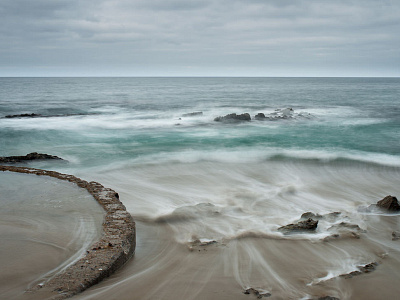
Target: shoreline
[{"x": 104, "y": 257}]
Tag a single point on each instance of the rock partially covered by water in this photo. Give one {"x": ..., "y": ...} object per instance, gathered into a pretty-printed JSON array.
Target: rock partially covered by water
[
  {"x": 368, "y": 268},
  {"x": 389, "y": 203},
  {"x": 395, "y": 235},
  {"x": 193, "y": 114},
  {"x": 258, "y": 293},
  {"x": 28, "y": 157},
  {"x": 32, "y": 115},
  {"x": 233, "y": 118},
  {"x": 301, "y": 226},
  {"x": 282, "y": 114},
  {"x": 260, "y": 116}
]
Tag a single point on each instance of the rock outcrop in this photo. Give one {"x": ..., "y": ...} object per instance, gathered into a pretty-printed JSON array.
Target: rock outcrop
[
  {"x": 28, "y": 157},
  {"x": 234, "y": 118},
  {"x": 32, "y": 115},
  {"x": 368, "y": 268},
  {"x": 308, "y": 225}
]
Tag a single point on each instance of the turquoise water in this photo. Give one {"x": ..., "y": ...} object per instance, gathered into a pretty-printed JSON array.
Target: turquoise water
[{"x": 129, "y": 119}]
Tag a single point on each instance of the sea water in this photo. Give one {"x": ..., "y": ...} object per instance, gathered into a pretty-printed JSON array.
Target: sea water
[{"x": 327, "y": 145}]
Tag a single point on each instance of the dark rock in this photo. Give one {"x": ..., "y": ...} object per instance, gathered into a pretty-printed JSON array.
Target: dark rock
[
  {"x": 368, "y": 268},
  {"x": 23, "y": 116},
  {"x": 389, "y": 203},
  {"x": 344, "y": 226},
  {"x": 193, "y": 114},
  {"x": 332, "y": 216},
  {"x": 301, "y": 226},
  {"x": 328, "y": 298},
  {"x": 233, "y": 118},
  {"x": 310, "y": 215},
  {"x": 28, "y": 157},
  {"x": 395, "y": 235},
  {"x": 256, "y": 293},
  {"x": 260, "y": 116}
]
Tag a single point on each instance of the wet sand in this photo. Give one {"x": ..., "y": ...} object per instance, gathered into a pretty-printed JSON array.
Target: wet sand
[{"x": 45, "y": 224}]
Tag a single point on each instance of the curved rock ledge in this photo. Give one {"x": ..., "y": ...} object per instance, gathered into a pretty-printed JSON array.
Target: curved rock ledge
[{"x": 114, "y": 249}]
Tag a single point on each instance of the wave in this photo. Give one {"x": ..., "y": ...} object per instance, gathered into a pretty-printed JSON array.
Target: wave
[{"x": 254, "y": 155}]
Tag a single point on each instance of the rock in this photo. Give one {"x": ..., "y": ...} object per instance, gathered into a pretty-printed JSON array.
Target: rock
[
  {"x": 23, "y": 116},
  {"x": 257, "y": 293},
  {"x": 389, "y": 203},
  {"x": 260, "y": 116},
  {"x": 192, "y": 114},
  {"x": 308, "y": 215},
  {"x": 301, "y": 226},
  {"x": 28, "y": 157},
  {"x": 368, "y": 268},
  {"x": 330, "y": 217},
  {"x": 395, "y": 236},
  {"x": 344, "y": 226},
  {"x": 233, "y": 118},
  {"x": 287, "y": 112},
  {"x": 328, "y": 298}
]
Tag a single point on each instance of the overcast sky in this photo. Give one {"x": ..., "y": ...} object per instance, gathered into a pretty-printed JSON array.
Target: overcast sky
[{"x": 199, "y": 38}]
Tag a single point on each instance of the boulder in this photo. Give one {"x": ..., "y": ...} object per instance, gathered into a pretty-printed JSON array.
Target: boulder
[
  {"x": 233, "y": 118},
  {"x": 389, "y": 203},
  {"x": 301, "y": 226},
  {"x": 260, "y": 116}
]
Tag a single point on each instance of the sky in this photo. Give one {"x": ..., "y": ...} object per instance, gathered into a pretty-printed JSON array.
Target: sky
[{"x": 200, "y": 38}]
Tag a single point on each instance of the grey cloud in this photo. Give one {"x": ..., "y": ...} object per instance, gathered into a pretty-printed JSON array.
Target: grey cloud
[{"x": 196, "y": 33}]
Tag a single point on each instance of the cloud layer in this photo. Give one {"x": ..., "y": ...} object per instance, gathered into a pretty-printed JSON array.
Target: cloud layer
[{"x": 200, "y": 38}]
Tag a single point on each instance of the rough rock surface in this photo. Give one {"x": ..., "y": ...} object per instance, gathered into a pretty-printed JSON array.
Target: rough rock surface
[
  {"x": 32, "y": 115},
  {"x": 114, "y": 249},
  {"x": 301, "y": 226},
  {"x": 368, "y": 268},
  {"x": 257, "y": 293},
  {"x": 28, "y": 157},
  {"x": 233, "y": 118},
  {"x": 389, "y": 203}
]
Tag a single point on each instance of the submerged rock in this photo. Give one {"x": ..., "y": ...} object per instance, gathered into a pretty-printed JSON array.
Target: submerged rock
[
  {"x": 23, "y": 116},
  {"x": 395, "y": 236},
  {"x": 259, "y": 294},
  {"x": 282, "y": 114},
  {"x": 389, "y": 203},
  {"x": 308, "y": 215},
  {"x": 260, "y": 116},
  {"x": 28, "y": 157},
  {"x": 234, "y": 118},
  {"x": 329, "y": 217},
  {"x": 368, "y": 268},
  {"x": 193, "y": 114},
  {"x": 301, "y": 226}
]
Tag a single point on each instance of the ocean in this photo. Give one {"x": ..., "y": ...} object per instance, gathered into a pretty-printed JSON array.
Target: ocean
[{"x": 208, "y": 197}]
